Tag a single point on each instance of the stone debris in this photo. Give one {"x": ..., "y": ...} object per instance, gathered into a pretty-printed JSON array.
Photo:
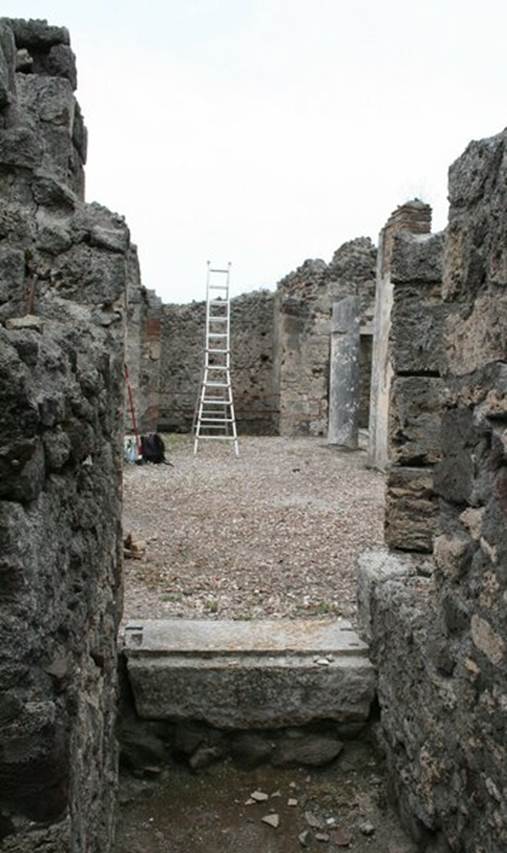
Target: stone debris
[
  {"x": 249, "y": 802},
  {"x": 272, "y": 820},
  {"x": 341, "y": 837},
  {"x": 366, "y": 827},
  {"x": 133, "y": 549},
  {"x": 276, "y": 794},
  {"x": 292, "y": 802},
  {"x": 303, "y": 837},
  {"x": 322, "y": 836},
  {"x": 312, "y": 820},
  {"x": 259, "y": 796}
]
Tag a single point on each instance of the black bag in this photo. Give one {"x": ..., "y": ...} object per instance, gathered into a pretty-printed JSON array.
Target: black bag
[{"x": 152, "y": 448}]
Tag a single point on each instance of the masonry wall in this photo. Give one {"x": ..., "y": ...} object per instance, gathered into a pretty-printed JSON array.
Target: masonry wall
[
  {"x": 416, "y": 391},
  {"x": 63, "y": 276},
  {"x": 439, "y": 640},
  {"x": 143, "y": 352},
  {"x": 303, "y": 307},
  {"x": 182, "y": 358},
  {"x": 413, "y": 217}
]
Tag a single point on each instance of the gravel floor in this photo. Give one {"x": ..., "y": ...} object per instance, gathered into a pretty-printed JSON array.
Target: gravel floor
[{"x": 274, "y": 533}]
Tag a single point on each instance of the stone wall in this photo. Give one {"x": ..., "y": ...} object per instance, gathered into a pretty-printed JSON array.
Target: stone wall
[
  {"x": 413, "y": 217},
  {"x": 304, "y": 301},
  {"x": 416, "y": 390},
  {"x": 439, "y": 641},
  {"x": 63, "y": 274},
  {"x": 182, "y": 359},
  {"x": 143, "y": 351}
]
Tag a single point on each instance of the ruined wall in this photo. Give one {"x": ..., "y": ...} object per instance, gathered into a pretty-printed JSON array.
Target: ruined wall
[
  {"x": 182, "y": 359},
  {"x": 413, "y": 217},
  {"x": 303, "y": 307},
  {"x": 416, "y": 391},
  {"x": 63, "y": 274},
  {"x": 143, "y": 351},
  {"x": 439, "y": 641}
]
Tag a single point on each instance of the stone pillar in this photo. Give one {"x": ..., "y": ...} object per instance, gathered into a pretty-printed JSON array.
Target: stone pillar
[
  {"x": 344, "y": 385},
  {"x": 415, "y": 217},
  {"x": 416, "y": 397}
]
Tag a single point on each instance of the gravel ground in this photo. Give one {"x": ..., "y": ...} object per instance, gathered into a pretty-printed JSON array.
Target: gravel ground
[{"x": 274, "y": 533}]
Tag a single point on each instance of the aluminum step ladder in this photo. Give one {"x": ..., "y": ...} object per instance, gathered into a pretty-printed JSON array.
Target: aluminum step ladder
[{"x": 214, "y": 417}]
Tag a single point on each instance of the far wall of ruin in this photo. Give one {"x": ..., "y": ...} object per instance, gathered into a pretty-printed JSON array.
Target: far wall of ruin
[{"x": 280, "y": 345}]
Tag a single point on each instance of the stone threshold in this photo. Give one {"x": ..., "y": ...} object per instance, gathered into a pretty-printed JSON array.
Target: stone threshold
[{"x": 242, "y": 675}]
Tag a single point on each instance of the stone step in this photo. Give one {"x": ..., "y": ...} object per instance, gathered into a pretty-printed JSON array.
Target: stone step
[{"x": 240, "y": 675}]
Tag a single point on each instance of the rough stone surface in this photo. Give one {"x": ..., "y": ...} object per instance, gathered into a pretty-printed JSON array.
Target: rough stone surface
[
  {"x": 413, "y": 217},
  {"x": 439, "y": 644},
  {"x": 179, "y": 670},
  {"x": 62, "y": 330},
  {"x": 303, "y": 307},
  {"x": 417, "y": 391},
  {"x": 143, "y": 352}
]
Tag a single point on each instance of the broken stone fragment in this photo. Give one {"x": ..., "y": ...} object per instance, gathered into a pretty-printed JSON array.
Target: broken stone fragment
[
  {"x": 29, "y": 321},
  {"x": 366, "y": 827},
  {"x": 321, "y": 836},
  {"x": 303, "y": 837},
  {"x": 292, "y": 801},
  {"x": 259, "y": 796},
  {"x": 272, "y": 820},
  {"x": 312, "y": 820}
]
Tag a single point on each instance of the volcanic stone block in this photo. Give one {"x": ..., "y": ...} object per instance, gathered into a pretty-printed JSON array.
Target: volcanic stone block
[
  {"x": 344, "y": 382},
  {"x": 417, "y": 258},
  {"x": 241, "y": 675},
  {"x": 411, "y": 509},
  {"x": 415, "y": 420}
]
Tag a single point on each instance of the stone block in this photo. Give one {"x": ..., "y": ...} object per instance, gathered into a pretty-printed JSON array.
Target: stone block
[
  {"x": 374, "y": 567},
  {"x": 411, "y": 509},
  {"x": 7, "y": 65},
  {"x": 243, "y": 675},
  {"x": 416, "y": 333},
  {"x": 417, "y": 258},
  {"x": 415, "y": 420}
]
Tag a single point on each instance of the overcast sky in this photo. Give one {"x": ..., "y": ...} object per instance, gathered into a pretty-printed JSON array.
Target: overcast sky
[{"x": 265, "y": 132}]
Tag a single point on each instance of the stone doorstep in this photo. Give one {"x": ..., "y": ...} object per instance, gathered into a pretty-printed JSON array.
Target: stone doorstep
[{"x": 249, "y": 674}]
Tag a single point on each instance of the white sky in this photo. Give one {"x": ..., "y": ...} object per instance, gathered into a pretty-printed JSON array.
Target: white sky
[{"x": 265, "y": 132}]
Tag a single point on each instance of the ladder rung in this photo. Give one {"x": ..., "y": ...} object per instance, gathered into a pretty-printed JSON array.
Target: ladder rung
[
  {"x": 217, "y": 420},
  {"x": 218, "y": 286},
  {"x": 217, "y": 384},
  {"x": 217, "y": 402},
  {"x": 216, "y": 367},
  {"x": 221, "y": 302},
  {"x": 218, "y": 437},
  {"x": 217, "y": 335},
  {"x": 213, "y": 426},
  {"x": 220, "y": 319},
  {"x": 216, "y": 270},
  {"x": 218, "y": 350}
]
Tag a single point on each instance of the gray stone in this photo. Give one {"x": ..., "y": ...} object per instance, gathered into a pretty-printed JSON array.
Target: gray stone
[
  {"x": 415, "y": 420},
  {"x": 189, "y": 670},
  {"x": 344, "y": 379},
  {"x": 411, "y": 509},
  {"x": 310, "y": 750},
  {"x": 251, "y": 750},
  {"x": 375, "y": 567}
]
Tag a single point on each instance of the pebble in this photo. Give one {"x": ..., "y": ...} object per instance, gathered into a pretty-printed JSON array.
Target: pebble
[
  {"x": 272, "y": 820},
  {"x": 249, "y": 802},
  {"x": 292, "y": 802},
  {"x": 312, "y": 820},
  {"x": 259, "y": 796},
  {"x": 322, "y": 836},
  {"x": 342, "y": 838},
  {"x": 322, "y": 661},
  {"x": 292, "y": 785},
  {"x": 366, "y": 827},
  {"x": 276, "y": 794},
  {"x": 303, "y": 837}
]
